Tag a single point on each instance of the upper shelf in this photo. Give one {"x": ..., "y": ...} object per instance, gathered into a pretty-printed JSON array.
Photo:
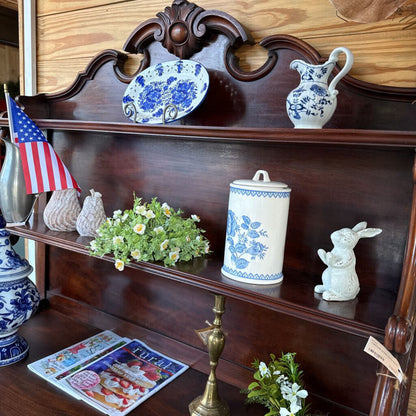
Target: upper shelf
[
  {"x": 240, "y": 134},
  {"x": 366, "y": 315}
]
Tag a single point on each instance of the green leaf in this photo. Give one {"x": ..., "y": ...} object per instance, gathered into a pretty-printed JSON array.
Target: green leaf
[{"x": 253, "y": 385}]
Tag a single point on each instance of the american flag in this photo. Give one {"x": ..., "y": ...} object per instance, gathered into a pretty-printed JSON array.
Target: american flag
[{"x": 42, "y": 168}]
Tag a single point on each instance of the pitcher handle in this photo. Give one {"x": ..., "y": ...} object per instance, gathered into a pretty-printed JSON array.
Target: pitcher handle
[{"x": 348, "y": 64}]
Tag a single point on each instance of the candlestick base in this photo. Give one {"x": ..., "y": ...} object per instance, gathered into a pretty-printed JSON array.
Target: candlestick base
[{"x": 220, "y": 408}]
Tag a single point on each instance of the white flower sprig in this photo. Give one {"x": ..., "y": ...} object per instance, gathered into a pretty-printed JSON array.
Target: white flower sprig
[
  {"x": 149, "y": 232},
  {"x": 278, "y": 387}
]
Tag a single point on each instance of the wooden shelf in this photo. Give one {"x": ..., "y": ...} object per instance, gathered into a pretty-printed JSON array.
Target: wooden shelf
[
  {"x": 51, "y": 330},
  {"x": 349, "y": 137},
  {"x": 294, "y": 296},
  {"x": 48, "y": 332}
]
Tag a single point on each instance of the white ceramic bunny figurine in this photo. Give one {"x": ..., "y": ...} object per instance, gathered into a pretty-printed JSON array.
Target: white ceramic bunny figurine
[{"x": 340, "y": 280}]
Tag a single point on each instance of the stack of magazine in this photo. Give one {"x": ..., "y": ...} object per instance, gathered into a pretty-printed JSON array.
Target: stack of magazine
[{"x": 111, "y": 373}]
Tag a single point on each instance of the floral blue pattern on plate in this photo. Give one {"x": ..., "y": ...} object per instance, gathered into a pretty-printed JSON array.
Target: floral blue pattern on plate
[{"x": 165, "y": 92}]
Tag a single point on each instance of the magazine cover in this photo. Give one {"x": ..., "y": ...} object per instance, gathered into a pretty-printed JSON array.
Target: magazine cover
[
  {"x": 55, "y": 364},
  {"x": 124, "y": 378}
]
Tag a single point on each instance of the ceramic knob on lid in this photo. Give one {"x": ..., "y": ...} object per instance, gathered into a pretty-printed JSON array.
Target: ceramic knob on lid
[{"x": 258, "y": 211}]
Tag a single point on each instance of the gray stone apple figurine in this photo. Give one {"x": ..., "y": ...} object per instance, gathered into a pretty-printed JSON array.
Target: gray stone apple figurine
[{"x": 340, "y": 280}]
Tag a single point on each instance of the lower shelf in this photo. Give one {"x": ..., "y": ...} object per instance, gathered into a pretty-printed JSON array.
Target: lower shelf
[{"x": 24, "y": 393}]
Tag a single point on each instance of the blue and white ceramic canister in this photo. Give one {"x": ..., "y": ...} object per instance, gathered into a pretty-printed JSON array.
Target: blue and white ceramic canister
[
  {"x": 19, "y": 299},
  {"x": 258, "y": 211}
]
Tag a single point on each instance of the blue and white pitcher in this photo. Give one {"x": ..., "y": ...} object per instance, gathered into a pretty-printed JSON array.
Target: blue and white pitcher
[{"x": 313, "y": 102}]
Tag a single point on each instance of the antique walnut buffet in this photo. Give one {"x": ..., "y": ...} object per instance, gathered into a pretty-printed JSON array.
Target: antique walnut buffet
[{"x": 361, "y": 166}]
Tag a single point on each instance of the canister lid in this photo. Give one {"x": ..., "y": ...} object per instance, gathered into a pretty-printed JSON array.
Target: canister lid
[{"x": 263, "y": 183}]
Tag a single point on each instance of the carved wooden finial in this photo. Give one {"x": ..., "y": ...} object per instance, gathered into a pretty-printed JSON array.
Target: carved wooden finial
[{"x": 183, "y": 28}]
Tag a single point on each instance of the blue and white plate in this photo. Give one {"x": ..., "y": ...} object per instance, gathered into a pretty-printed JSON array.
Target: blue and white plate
[{"x": 165, "y": 92}]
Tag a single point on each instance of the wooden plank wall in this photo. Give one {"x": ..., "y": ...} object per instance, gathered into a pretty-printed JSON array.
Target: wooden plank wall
[
  {"x": 9, "y": 67},
  {"x": 71, "y": 32},
  {"x": 9, "y": 42}
]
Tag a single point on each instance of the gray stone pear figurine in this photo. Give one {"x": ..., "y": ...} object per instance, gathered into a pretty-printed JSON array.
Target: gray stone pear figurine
[
  {"x": 91, "y": 216},
  {"x": 340, "y": 280}
]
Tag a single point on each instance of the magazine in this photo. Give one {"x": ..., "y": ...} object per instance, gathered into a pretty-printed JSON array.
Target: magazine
[{"x": 111, "y": 373}]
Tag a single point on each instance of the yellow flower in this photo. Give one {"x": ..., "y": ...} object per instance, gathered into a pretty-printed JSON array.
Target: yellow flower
[
  {"x": 164, "y": 245},
  {"x": 118, "y": 239},
  {"x": 119, "y": 265},
  {"x": 139, "y": 229},
  {"x": 135, "y": 254}
]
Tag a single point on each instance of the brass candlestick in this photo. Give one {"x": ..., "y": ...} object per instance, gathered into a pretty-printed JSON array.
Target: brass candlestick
[{"x": 210, "y": 404}]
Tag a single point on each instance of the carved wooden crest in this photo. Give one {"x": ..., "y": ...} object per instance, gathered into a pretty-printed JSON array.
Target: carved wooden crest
[{"x": 183, "y": 29}]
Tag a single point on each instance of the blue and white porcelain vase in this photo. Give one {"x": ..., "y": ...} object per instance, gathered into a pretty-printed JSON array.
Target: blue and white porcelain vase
[
  {"x": 19, "y": 300},
  {"x": 258, "y": 212},
  {"x": 312, "y": 104}
]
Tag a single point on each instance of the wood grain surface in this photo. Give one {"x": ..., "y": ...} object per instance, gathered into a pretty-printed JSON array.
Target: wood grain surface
[
  {"x": 10, "y": 4},
  {"x": 383, "y": 51}
]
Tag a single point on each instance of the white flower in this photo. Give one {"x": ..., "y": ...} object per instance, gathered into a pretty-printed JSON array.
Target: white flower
[
  {"x": 150, "y": 214},
  {"x": 276, "y": 372},
  {"x": 93, "y": 245},
  {"x": 293, "y": 393},
  {"x": 135, "y": 254},
  {"x": 139, "y": 229},
  {"x": 109, "y": 222},
  {"x": 117, "y": 221},
  {"x": 164, "y": 245},
  {"x": 282, "y": 379},
  {"x": 294, "y": 408},
  {"x": 166, "y": 209},
  {"x": 264, "y": 370},
  {"x": 206, "y": 248},
  {"x": 118, "y": 239},
  {"x": 119, "y": 265},
  {"x": 195, "y": 218},
  {"x": 174, "y": 255},
  {"x": 117, "y": 213},
  {"x": 140, "y": 209},
  {"x": 124, "y": 217},
  {"x": 158, "y": 230}
]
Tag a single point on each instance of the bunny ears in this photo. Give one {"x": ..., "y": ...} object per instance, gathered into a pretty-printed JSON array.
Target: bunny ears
[{"x": 364, "y": 232}]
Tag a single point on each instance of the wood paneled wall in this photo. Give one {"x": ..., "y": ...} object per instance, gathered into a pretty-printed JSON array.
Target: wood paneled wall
[
  {"x": 9, "y": 67},
  {"x": 71, "y": 32}
]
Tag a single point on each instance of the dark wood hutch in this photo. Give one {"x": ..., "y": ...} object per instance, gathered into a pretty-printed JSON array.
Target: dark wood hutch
[{"x": 361, "y": 166}]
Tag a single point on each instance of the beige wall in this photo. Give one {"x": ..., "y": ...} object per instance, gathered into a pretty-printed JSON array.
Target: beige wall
[{"x": 71, "y": 32}]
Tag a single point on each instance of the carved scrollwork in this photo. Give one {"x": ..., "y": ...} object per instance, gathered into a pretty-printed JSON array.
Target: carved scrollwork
[
  {"x": 398, "y": 335},
  {"x": 184, "y": 28},
  {"x": 177, "y": 34}
]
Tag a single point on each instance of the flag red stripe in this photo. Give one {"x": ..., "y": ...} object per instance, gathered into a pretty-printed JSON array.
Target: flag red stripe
[
  {"x": 62, "y": 175},
  {"x": 49, "y": 167},
  {"x": 26, "y": 172},
  {"x": 36, "y": 163}
]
